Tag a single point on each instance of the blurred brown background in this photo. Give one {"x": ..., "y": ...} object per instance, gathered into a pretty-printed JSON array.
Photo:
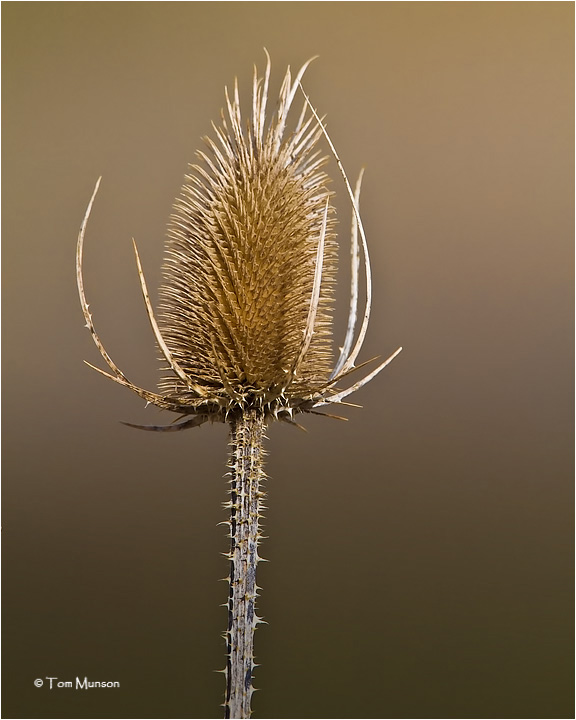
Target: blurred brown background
[{"x": 420, "y": 553}]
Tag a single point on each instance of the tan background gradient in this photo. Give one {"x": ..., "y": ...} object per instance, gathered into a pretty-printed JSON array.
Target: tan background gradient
[{"x": 421, "y": 552}]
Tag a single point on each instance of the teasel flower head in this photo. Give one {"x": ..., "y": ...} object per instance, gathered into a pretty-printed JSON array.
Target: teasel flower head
[{"x": 246, "y": 302}]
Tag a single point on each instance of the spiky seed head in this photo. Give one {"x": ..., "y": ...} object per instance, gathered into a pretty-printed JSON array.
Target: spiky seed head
[
  {"x": 241, "y": 257},
  {"x": 250, "y": 271}
]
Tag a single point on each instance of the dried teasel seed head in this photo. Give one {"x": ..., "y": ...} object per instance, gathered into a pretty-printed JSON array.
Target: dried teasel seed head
[
  {"x": 250, "y": 271},
  {"x": 241, "y": 257}
]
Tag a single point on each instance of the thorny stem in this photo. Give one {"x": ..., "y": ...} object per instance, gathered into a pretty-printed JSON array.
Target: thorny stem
[{"x": 246, "y": 462}]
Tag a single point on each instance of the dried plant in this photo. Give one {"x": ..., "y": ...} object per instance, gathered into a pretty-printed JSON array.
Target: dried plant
[{"x": 245, "y": 312}]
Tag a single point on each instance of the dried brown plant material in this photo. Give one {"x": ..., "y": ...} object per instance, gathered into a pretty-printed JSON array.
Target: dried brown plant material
[{"x": 245, "y": 311}]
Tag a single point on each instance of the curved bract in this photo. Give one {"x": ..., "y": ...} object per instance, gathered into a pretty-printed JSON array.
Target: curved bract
[{"x": 245, "y": 311}]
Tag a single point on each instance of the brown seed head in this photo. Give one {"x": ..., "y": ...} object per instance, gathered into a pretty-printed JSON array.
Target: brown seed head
[
  {"x": 250, "y": 269},
  {"x": 241, "y": 257}
]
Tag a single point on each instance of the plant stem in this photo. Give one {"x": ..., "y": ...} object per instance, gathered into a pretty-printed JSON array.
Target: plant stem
[{"x": 246, "y": 462}]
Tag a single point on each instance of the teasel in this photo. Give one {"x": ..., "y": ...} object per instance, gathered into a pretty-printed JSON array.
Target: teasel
[{"x": 244, "y": 327}]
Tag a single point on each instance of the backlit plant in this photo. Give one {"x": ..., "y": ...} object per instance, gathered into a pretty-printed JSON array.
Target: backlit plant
[{"x": 245, "y": 312}]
